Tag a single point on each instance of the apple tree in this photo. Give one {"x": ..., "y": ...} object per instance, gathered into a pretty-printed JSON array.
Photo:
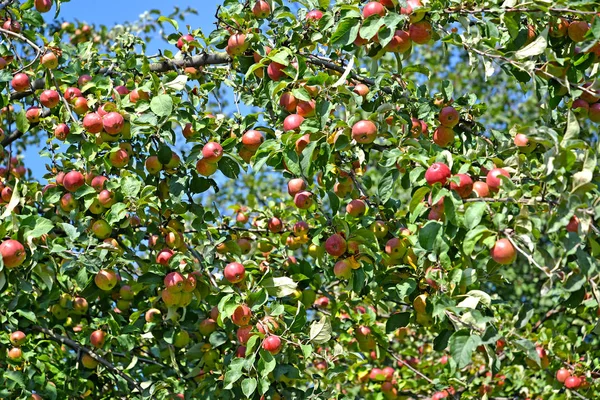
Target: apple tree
[{"x": 393, "y": 199}]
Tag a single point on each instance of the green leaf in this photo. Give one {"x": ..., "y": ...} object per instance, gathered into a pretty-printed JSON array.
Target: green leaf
[
  {"x": 462, "y": 344},
  {"x": 40, "y": 227},
  {"x": 306, "y": 350},
  {"x": 572, "y": 130},
  {"x": 117, "y": 212},
  {"x": 164, "y": 154},
  {"x": 229, "y": 167},
  {"x": 397, "y": 320},
  {"x": 417, "y": 197},
  {"x": 406, "y": 288},
  {"x": 429, "y": 234},
  {"x": 320, "y": 331},
  {"x": 16, "y": 377},
  {"x": 162, "y": 18},
  {"x": 266, "y": 364},
  {"x": 474, "y": 214},
  {"x": 162, "y": 105},
  {"x": 234, "y": 373},
  {"x": 472, "y": 237},
  {"x": 217, "y": 338},
  {"x": 371, "y": 26},
  {"x": 280, "y": 286},
  {"x": 385, "y": 188},
  {"x": 528, "y": 347},
  {"x": 249, "y": 386},
  {"x": 22, "y": 122},
  {"x": 346, "y": 32},
  {"x": 131, "y": 186},
  {"x": 538, "y": 46}
]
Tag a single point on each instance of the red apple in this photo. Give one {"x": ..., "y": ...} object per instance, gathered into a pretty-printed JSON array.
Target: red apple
[
  {"x": 314, "y": 15},
  {"x": 573, "y": 225},
  {"x": 80, "y": 105},
  {"x": 356, "y": 208},
  {"x": 242, "y": 315},
  {"x": 504, "y": 252},
  {"x": 92, "y": 123},
  {"x": 373, "y": 8},
  {"x": 73, "y": 180},
  {"x": 212, "y": 152},
  {"x": 400, "y": 43},
  {"x": 49, "y": 98},
  {"x": 437, "y": 172},
  {"x": 295, "y": 186},
  {"x": 493, "y": 178},
  {"x": 234, "y": 272},
  {"x": 252, "y": 139},
  {"x": 183, "y": 40},
  {"x": 443, "y": 136},
  {"x": 572, "y": 382},
  {"x": 420, "y": 32},
  {"x": 275, "y": 71},
  {"x": 364, "y": 131},
  {"x": 261, "y": 9},
  {"x": 97, "y": 338},
  {"x": 20, "y": 82},
  {"x": 33, "y": 114},
  {"x": 292, "y": 122},
  {"x": 49, "y": 60},
  {"x": 43, "y": 5},
  {"x": 118, "y": 158},
  {"x": 164, "y": 256},
  {"x": 342, "y": 270},
  {"x": 237, "y": 44},
  {"x": 577, "y": 30},
  {"x": 335, "y": 245},
  {"x": 113, "y": 123},
  {"x": 174, "y": 282},
  {"x": 72, "y": 93},
  {"x": 464, "y": 187},
  {"x": 272, "y": 344},
  {"x": 562, "y": 375},
  {"x": 449, "y": 117},
  {"x": 17, "y": 338},
  {"x": 303, "y": 200},
  {"x": 83, "y": 79},
  {"x": 521, "y": 140}
]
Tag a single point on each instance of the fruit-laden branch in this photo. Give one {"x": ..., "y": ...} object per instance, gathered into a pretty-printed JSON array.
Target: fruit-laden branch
[
  {"x": 529, "y": 201},
  {"x": 561, "y": 11},
  {"x": 17, "y": 134},
  {"x": 76, "y": 346}
]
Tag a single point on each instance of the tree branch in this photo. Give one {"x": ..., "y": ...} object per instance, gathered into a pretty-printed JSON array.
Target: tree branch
[{"x": 76, "y": 346}]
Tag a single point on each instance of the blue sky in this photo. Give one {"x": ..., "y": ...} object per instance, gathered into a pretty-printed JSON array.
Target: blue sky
[{"x": 111, "y": 12}]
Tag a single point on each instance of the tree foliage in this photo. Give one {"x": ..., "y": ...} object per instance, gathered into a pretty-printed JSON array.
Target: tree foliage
[{"x": 317, "y": 199}]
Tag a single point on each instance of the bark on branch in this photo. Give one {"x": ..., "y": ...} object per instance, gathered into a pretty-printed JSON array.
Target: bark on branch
[{"x": 76, "y": 346}]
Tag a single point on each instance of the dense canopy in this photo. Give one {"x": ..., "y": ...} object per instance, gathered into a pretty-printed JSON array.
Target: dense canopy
[{"x": 319, "y": 199}]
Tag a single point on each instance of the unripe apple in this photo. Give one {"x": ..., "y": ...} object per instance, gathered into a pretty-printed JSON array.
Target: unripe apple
[
  {"x": 20, "y": 82},
  {"x": 261, "y": 9},
  {"x": 101, "y": 229},
  {"x": 138, "y": 94},
  {"x": 395, "y": 248},
  {"x": 443, "y": 136},
  {"x": 252, "y": 139},
  {"x": 437, "y": 173},
  {"x": 43, "y": 5},
  {"x": 464, "y": 187},
  {"x": 400, "y": 43},
  {"x": 153, "y": 165},
  {"x": 364, "y": 131},
  {"x": 83, "y": 79},
  {"x": 292, "y": 122},
  {"x": 303, "y": 200},
  {"x": 212, "y": 152},
  {"x": 171, "y": 299},
  {"x": 164, "y": 256},
  {"x": 503, "y": 252},
  {"x": 449, "y": 117},
  {"x": 237, "y": 44},
  {"x": 97, "y": 338},
  {"x": 373, "y": 8},
  {"x": 49, "y": 60},
  {"x": 234, "y": 272},
  {"x": 49, "y": 98},
  {"x": 73, "y": 180},
  {"x": 207, "y": 327},
  {"x": 113, "y": 123},
  {"x": 295, "y": 186},
  {"x": 106, "y": 280},
  {"x": 272, "y": 344},
  {"x": 18, "y": 338},
  {"x": 577, "y": 30},
  {"x": 342, "y": 270},
  {"x": 356, "y": 208},
  {"x": 335, "y": 245},
  {"x": 242, "y": 315},
  {"x": 361, "y": 89},
  {"x": 205, "y": 168},
  {"x": 493, "y": 178},
  {"x": 314, "y": 15},
  {"x": 88, "y": 361}
]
